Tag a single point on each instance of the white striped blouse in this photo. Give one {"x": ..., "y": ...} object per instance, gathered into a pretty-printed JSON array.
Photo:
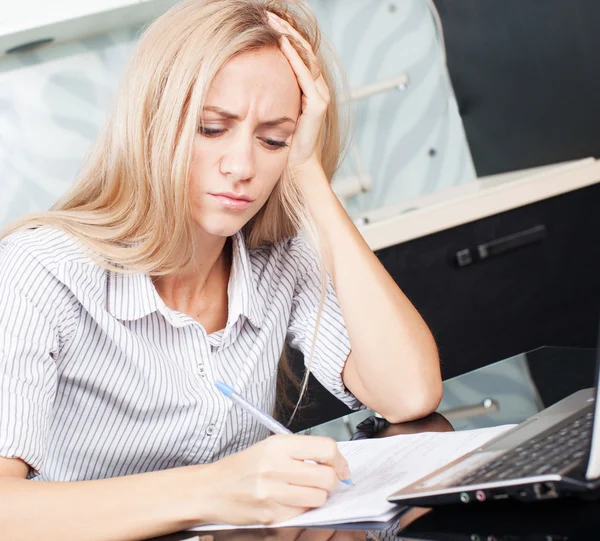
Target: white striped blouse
[{"x": 99, "y": 378}]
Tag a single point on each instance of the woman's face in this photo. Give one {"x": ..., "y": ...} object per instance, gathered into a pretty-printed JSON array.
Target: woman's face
[{"x": 241, "y": 149}]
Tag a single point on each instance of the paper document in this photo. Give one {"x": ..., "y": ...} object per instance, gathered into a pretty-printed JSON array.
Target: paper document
[{"x": 379, "y": 468}]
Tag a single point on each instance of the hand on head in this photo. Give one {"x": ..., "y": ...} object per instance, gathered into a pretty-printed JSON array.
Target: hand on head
[{"x": 306, "y": 144}]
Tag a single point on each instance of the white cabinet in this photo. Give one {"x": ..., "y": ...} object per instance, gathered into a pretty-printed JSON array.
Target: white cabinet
[
  {"x": 21, "y": 14},
  {"x": 23, "y": 23}
]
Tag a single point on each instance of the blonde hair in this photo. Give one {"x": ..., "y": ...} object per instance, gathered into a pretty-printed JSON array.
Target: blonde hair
[{"x": 130, "y": 203}]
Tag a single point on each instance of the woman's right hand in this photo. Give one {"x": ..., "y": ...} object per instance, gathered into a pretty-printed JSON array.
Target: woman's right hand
[{"x": 270, "y": 481}]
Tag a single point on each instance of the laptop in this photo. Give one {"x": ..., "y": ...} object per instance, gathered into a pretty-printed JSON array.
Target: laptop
[{"x": 553, "y": 454}]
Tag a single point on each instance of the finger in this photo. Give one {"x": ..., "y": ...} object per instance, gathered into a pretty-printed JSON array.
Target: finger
[
  {"x": 299, "y": 496},
  {"x": 303, "y": 74},
  {"x": 323, "y": 88},
  {"x": 316, "y": 535},
  {"x": 283, "y": 26},
  {"x": 318, "y": 448},
  {"x": 313, "y": 475},
  {"x": 284, "y": 512},
  {"x": 283, "y": 534},
  {"x": 341, "y": 535},
  {"x": 272, "y": 512}
]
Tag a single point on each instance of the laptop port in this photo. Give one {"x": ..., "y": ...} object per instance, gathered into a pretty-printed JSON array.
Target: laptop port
[
  {"x": 497, "y": 494},
  {"x": 544, "y": 491}
]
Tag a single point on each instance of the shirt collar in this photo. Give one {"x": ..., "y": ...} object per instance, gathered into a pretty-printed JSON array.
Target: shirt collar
[
  {"x": 133, "y": 296},
  {"x": 130, "y": 296}
]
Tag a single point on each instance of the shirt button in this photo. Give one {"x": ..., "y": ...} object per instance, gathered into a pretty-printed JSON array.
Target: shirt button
[
  {"x": 201, "y": 371},
  {"x": 210, "y": 430}
]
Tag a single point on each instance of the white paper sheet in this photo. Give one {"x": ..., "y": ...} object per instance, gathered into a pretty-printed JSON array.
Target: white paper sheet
[{"x": 380, "y": 467}]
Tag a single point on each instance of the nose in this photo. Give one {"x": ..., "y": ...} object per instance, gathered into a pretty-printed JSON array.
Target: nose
[{"x": 237, "y": 163}]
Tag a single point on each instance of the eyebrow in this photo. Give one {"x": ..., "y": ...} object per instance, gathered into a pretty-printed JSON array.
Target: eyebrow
[{"x": 227, "y": 114}]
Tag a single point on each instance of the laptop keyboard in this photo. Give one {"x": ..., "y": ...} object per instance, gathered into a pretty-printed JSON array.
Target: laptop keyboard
[{"x": 553, "y": 451}]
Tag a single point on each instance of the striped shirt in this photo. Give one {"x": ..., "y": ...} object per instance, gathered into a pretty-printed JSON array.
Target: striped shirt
[{"x": 99, "y": 378}]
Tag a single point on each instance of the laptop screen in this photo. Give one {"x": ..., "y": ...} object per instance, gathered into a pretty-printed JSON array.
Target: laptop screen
[{"x": 593, "y": 469}]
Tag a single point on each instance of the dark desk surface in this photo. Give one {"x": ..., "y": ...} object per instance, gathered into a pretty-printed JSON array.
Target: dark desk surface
[{"x": 508, "y": 391}]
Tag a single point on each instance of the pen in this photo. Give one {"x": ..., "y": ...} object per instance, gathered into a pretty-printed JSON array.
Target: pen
[{"x": 262, "y": 417}]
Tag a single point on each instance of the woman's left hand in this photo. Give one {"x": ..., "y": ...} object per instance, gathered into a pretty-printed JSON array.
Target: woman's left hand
[{"x": 305, "y": 151}]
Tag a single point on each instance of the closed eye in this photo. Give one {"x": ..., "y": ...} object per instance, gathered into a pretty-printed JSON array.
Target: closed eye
[
  {"x": 210, "y": 132},
  {"x": 216, "y": 132},
  {"x": 275, "y": 144}
]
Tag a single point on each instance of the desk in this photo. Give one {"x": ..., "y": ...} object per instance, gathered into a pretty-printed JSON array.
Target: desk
[
  {"x": 475, "y": 200},
  {"x": 508, "y": 391}
]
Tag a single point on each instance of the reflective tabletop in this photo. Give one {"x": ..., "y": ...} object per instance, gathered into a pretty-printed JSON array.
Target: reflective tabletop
[{"x": 508, "y": 391}]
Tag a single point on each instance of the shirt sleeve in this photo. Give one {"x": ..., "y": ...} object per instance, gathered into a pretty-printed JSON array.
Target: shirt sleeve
[
  {"x": 28, "y": 347},
  {"x": 332, "y": 345}
]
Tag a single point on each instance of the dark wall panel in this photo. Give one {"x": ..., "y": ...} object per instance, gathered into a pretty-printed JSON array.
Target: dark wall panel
[
  {"x": 546, "y": 292},
  {"x": 526, "y": 74}
]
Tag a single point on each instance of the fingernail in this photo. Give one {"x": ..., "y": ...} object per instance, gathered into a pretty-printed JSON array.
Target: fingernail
[
  {"x": 276, "y": 21},
  {"x": 346, "y": 473}
]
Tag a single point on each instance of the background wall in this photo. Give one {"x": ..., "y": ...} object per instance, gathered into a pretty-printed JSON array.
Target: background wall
[
  {"x": 410, "y": 142},
  {"x": 53, "y": 101}
]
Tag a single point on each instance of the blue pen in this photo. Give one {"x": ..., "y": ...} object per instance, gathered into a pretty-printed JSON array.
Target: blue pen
[{"x": 262, "y": 417}]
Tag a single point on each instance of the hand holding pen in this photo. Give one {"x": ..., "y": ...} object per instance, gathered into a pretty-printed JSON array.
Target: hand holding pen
[
  {"x": 274, "y": 480},
  {"x": 265, "y": 419}
]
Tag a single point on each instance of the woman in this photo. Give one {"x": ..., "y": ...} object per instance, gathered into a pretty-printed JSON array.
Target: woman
[{"x": 175, "y": 262}]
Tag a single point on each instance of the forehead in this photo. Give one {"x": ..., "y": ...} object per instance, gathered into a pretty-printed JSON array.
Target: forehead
[{"x": 260, "y": 80}]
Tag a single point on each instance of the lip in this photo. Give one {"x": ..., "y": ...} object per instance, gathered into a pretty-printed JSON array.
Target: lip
[
  {"x": 237, "y": 197},
  {"x": 232, "y": 201}
]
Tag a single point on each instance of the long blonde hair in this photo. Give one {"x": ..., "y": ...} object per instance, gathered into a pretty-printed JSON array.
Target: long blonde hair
[{"x": 130, "y": 204}]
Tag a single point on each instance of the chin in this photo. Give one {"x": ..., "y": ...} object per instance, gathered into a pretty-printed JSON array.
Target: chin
[{"x": 221, "y": 228}]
